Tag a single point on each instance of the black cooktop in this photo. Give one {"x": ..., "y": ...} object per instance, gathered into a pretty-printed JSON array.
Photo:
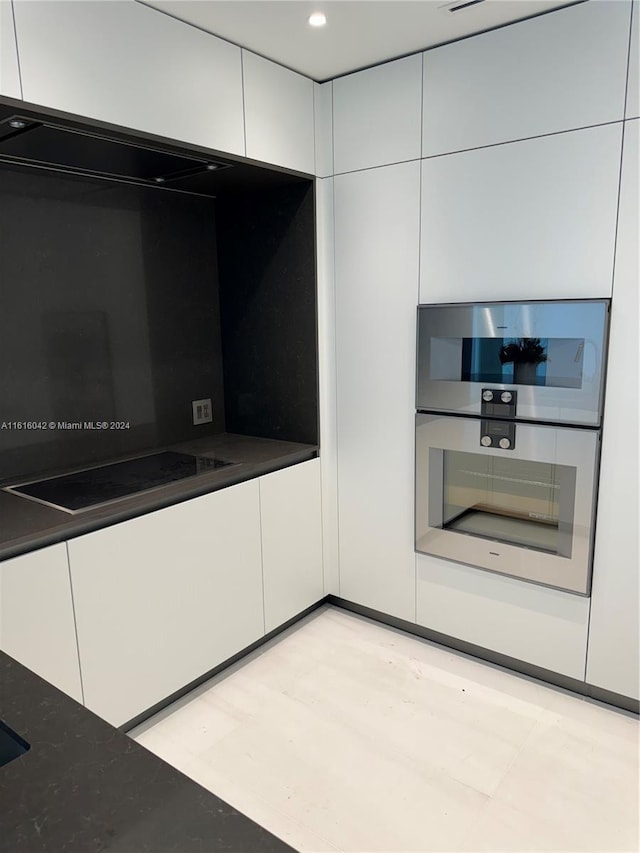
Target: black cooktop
[{"x": 86, "y": 489}]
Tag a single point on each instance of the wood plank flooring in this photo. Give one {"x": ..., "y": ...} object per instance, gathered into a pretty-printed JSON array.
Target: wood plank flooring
[{"x": 343, "y": 734}]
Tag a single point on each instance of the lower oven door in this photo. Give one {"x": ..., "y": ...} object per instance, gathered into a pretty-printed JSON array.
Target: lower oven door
[{"x": 526, "y": 511}]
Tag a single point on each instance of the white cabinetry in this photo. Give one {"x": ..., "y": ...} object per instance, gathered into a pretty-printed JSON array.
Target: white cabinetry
[
  {"x": 327, "y": 380},
  {"x": 376, "y": 115},
  {"x": 555, "y": 72},
  {"x": 36, "y": 616},
  {"x": 279, "y": 114},
  {"x": 528, "y": 220},
  {"x": 9, "y": 76},
  {"x": 633, "y": 84},
  {"x": 541, "y": 626},
  {"x": 323, "y": 121},
  {"x": 613, "y": 661},
  {"x": 291, "y": 541},
  {"x": 164, "y": 598},
  {"x": 376, "y": 271},
  {"x": 124, "y": 63}
]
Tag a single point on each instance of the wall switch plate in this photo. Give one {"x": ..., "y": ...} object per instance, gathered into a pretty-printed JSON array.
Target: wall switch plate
[{"x": 202, "y": 411}]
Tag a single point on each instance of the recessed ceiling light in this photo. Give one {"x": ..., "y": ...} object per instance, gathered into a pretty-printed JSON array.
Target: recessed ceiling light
[{"x": 318, "y": 19}]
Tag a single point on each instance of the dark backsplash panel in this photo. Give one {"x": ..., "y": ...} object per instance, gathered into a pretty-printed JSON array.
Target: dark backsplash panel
[
  {"x": 266, "y": 258},
  {"x": 109, "y": 311}
]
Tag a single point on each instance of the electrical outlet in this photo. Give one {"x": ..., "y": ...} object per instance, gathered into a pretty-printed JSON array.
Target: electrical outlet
[{"x": 202, "y": 412}]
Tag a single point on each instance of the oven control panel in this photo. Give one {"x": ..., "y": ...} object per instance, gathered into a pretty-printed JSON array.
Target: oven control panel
[
  {"x": 498, "y": 403},
  {"x": 498, "y": 434}
]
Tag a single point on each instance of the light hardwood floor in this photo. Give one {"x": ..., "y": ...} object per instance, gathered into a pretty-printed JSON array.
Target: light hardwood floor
[{"x": 343, "y": 734}]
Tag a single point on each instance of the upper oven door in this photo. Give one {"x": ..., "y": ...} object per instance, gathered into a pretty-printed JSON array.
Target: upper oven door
[
  {"x": 552, "y": 354},
  {"x": 513, "y": 498}
]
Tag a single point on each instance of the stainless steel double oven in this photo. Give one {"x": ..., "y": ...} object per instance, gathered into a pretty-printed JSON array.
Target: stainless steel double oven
[{"x": 509, "y": 409}]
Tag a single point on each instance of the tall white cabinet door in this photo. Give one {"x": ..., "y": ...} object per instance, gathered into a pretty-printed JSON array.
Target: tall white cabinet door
[
  {"x": 529, "y": 220},
  {"x": 279, "y": 114},
  {"x": 541, "y": 626},
  {"x": 124, "y": 63},
  {"x": 291, "y": 517},
  {"x": 36, "y": 616},
  {"x": 164, "y": 598},
  {"x": 9, "y": 76},
  {"x": 376, "y": 268},
  {"x": 613, "y": 661},
  {"x": 327, "y": 380},
  {"x": 376, "y": 115},
  {"x": 555, "y": 72}
]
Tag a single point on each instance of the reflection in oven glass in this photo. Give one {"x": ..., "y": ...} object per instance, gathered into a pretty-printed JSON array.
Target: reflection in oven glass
[
  {"x": 509, "y": 500},
  {"x": 557, "y": 362}
]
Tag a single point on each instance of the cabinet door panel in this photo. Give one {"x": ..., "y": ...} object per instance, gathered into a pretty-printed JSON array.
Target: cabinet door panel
[
  {"x": 376, "y": 115},
  {"x": 376, "y": 268},
  {"x": 560, "y": 71},
  {"x": 527, "y": 220},
  {"x": 9, "y": 76},
  {"x": 124, "y": 63},
  {"x": 279, "y": 114},
  {"x": 36, "y": 616},
  {"x": 531, "y": 623},
  {"x": 164, "y": 598},
  {"x": 614, "y": 661},
  {"x": 291, "y": 520}
]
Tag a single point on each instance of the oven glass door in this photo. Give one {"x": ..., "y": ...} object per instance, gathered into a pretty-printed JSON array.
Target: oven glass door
[
  {"x": 526, "y": 511},
  {"x": 499, "y": 498}
]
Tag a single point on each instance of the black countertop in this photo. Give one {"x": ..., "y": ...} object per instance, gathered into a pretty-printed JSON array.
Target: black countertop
[
  {"x": 84, "y": 787},
  {"x": 26, "y": 525}
]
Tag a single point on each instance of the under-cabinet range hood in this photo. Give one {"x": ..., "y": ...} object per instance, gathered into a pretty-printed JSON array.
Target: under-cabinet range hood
[{"x": 27, "y": 141}]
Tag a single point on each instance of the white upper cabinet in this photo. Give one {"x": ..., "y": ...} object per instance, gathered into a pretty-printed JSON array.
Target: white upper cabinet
[
  {"x": 323, "y": 112},
  {"x": 279, "y": 114},
  {"x": 377, "y": 215},
  {"x": 633, "y": 85},
  {"x": 124, "y": 63},
  {"x": 9, "y": 76},
  {"x": 558, "y": 71},
  {"x": 37, "y": 625},
  {"x": 376, "y": 115},
  {"x": 529, "y": 220},
  {"x": 613, "y": 661},
  {"x": 291, "y": 521}
]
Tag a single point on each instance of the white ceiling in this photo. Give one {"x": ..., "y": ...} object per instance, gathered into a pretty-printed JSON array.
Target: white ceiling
[{"x": 358, "y": 33}]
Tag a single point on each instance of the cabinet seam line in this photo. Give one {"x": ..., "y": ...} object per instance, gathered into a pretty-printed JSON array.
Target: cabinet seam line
[
  {"x": 15, "y": 37},
  {"x": 244, "y": 104},
  {"x": 264, "y": 618},
  {"x": 75, "y": 623}
]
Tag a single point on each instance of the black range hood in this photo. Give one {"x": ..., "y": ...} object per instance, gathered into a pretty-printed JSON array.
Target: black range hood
[
  {"x": 26, "y": 141},
  {"x": 34, "y": 137}
]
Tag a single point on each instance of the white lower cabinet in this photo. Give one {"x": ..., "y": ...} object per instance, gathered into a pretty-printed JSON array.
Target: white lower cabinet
[
  {"x": 534, "y": 624},
  {"x": 290, "y": 508},
  {"x": 36, "y": 616},
  {"x": 164, "y": 598}
]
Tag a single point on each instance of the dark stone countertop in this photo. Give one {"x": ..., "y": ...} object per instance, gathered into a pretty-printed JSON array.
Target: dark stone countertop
[
  {"x": 84, "y": 787},
  {"x": 26, "y": 525}
]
